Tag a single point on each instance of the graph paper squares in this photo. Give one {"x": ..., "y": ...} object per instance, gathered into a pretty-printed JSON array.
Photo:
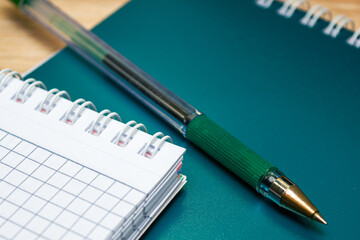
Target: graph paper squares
[{"x": 44, "y": 195}]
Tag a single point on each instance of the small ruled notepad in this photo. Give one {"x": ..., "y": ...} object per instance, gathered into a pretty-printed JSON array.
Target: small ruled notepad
[{"x": 60, "y": 181}]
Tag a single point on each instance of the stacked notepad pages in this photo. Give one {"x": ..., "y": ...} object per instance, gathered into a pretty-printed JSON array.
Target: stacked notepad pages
[{"x": 70, "y": 172}]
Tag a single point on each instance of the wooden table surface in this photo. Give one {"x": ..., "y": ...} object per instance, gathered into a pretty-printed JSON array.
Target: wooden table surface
[{"x": 25, "y": 44}]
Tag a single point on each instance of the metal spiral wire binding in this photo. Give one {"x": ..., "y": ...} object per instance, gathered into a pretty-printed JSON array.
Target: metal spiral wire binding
[
  {"x": 6, "y": 75},
  {"x": 74, "y": 112},
  {"x": 123, "y": 137},
  {"x": 354, "y": 39},
  {"x": 26, "y": 89},
  {"x": 314, "y": 14},
  {"x": 311, "y": 17},
  {"x": 289, "y": 7},
  {"x": 264, "y": 3},
  {"x": 147, "y": 150},
  {"x": 76, "y": 109},
  {"x": 97, "y": 127},
  {"x": 337, "y": 24},
  {"x": 51, "y": 98}
]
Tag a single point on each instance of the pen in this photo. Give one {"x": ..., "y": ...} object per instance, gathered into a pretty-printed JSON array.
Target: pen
[{"x": 191, "y": 123}]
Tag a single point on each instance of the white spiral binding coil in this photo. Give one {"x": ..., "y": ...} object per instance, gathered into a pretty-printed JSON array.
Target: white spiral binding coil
[
  {"x": 354, "y": 39},
  {"x": 102, "y": 120},
  {"x": 311, "y": 17},
  {"x": 122, "y": 138},
  {"x": 50, "y": 100},
  {"x": 6, "y": 75},
  {"x": 26, "y": 89},
  {"x": 69, "y": 119},
  {"x": 314, "y": 14},
  {"x": 151, "y": 151},
  {"x": 289, "y": 7},
  {"x": 337, "y": 24},
  {"x": 264, "y": 3}
]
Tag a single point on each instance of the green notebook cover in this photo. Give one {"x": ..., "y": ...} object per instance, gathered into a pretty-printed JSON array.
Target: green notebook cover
[{"x": 288, "y": 91}]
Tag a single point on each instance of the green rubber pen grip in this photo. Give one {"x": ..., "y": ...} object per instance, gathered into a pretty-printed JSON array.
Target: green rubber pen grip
[{"x": 227, "y": 149}]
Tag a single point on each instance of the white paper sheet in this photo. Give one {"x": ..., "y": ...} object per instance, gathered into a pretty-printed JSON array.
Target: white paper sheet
[{"x": 58, "y": 181}]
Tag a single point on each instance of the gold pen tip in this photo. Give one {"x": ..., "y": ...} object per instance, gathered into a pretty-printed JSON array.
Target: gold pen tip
[
  {"x": 295, "y": 200},
  {"x": 317, "y": 217}
]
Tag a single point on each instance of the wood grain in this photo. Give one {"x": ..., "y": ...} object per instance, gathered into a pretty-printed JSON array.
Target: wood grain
[
  {"x": 24, "y": 44},
  {"x": 349, "y": 8}
]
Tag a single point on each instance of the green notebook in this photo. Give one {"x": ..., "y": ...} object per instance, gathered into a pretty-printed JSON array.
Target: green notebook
[{"x": 289, "y": 91}]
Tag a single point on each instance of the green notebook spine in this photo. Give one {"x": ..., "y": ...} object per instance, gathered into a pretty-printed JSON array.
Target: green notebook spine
[{"x": 227, "y": 150}]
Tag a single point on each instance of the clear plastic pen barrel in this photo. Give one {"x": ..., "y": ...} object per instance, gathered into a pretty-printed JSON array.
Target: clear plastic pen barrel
[{"x": 141, "y": 85}]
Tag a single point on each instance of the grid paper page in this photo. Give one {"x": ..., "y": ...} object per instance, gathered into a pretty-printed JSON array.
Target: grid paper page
[{"x": 46, "y": 196}]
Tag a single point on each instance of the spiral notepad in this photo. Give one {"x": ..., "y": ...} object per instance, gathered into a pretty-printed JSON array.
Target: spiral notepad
[{"x": 69, "y": 172}]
